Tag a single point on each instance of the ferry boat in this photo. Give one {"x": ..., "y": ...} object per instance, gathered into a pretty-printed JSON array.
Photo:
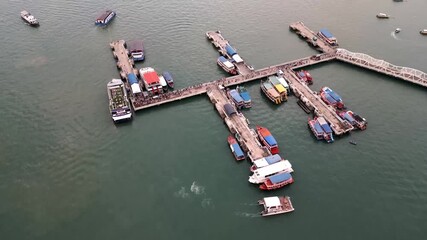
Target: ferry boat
[
  {"x": 270, "y": 92},
  {"x": 227, "y": 65},
  {"x": 119, "y": 103},
  {"x": 105, "y": 18},
  {"x": 361, "y": 122},
  {"x": 261, "y": 174},
  {"x": 331, "y": 98},
  {"x": 282, "y": 81},
  {"x": 321, "y": 129},
  {"x": 276, "y": 205},
  {"x": 347, "y": 117},
  {"x": 328, "y": 37},
  {"x": 423, "y": 32},
  {"x": 279, "y": 87},
  {"x": 245, "y": 96},
  {"x": 151, "y": 80},
  {"x": 29, "y": 18},
  {"x": 169, "y": 80},
  {"x": 237, "y": 99},
  {"x": 382, "y": 15},
  {"x": 265, "y": 161},
  {"x": 235, "y": 148},
  {"x": 136, "y": 49},
  {"x": 305, "y": 76},
  {"x": 267, "y": 139},
  {"x": 277, "y": 181}
]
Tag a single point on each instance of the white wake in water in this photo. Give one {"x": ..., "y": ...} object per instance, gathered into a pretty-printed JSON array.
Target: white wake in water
[
  {"x": 197, "y": 189},
  {"x": 248, "y": 215},
  {"x": 393, "y": 34}
]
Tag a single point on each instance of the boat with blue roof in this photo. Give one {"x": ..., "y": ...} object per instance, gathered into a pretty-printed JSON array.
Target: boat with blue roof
[
  {"x": 277, "y": 181},
  {"x": 105, "y": 18},
  {"x": 235, "y": 148},
  {"x": 267, "y": 139},
  {"x": 328, "y": 37},
  {"x": 305, "y": 76},
  {"x": 265, "y": 161},
  {"x": 261, "y": 174},
  {"x": 321, "y": 129},
  {"x": 227, "y": 65},
  {"x": 169, "y": 80},
  {"x": 330, "y": 97},
  {"x": 358, "y": 121},
  {"x": 245, "y": 96},
  {"x": 236, "y": 98}
]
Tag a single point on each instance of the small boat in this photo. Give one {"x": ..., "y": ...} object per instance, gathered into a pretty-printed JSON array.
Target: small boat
[
  {"x": 277, "y": 181},
  {"x": 361, "y": 122},
  {"x": 347, "y": 117},
  {"x": 169, "y": 80},
  {"x": 265, "y": 161},
  {"x": 270, "y": 92},
  {"x": 331, "y": 98},
  {"x": 276, "y": 205},
  {"x": 321, "y": 129},
  {"x": 163, "y": 83},
  {"x": 261, "y": 174},
  {"x": 227, "y": 65},
  {"x": 267, "y": 139},
  {"x": 105, "y": 18},
  {"x": 397, "y": 30},
  {"x": 382, "y": 15},
  {"x": 305, "y": 76},
  {"x": 245, "y": 96},
  {"x": 136, "y": 49},
  {"x": 423, "y": 32},
  {"x": 236, "y": 98},
  {"x": 353, "y": 142},
  {"x": 29, "y": 18},
  {"x": 120, "y": 109},
  {"x": 235, "y": 148}
]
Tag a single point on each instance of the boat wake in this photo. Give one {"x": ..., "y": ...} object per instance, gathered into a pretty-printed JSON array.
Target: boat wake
[
  {"x": 197, "y": 189},
  {"x": 248, "y": 215},
  {"x": 393, "y": 34},
  {"x": 182, "y": 193}
]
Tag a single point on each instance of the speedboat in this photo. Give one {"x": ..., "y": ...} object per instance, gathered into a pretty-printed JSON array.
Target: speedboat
[
  {"x": 29, "y": 18},
  {"x": 423, "y": 32},
  {"x": 397, "y": 30},
  {"x": 382, "y": 15}
]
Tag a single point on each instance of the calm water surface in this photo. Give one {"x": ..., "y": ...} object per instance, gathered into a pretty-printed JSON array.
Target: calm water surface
[{"x": 67, "y": 172}]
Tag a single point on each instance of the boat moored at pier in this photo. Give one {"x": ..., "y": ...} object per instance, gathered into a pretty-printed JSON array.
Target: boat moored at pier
[
  {"x": 283, "y": 92},
  {"x": 269, "y": 91},
  {"x": 151, "y": 80},
  {"x": 236, "y": 98},
  {"x": 261, "y": 174},
  {"x": 328, "y": 37},
  {"x": 277, "y": 181},
  {"x": 305, "y": 76},
  {"x": 245, "y": 96},
  {"x": 136, "y": 50},
  {"x": 267, "y": 139},
  {"x": 265, "y": 161},
  {"x": 227, "y": 65},
  {"x": 134, "y": 83},
  {"x": 360, "y": 122},
  {"x": 105, "y": 18},
  {"x": 276, "y": 205},
  {"x": 169, "y": 80},
  {"x": 330, "y": 97},
  {"x": 235, "y": 148},
  {"x": 321, "y": 129},
  {"x": 120, "y": 109},
  {"x": 29, "y": 18}
]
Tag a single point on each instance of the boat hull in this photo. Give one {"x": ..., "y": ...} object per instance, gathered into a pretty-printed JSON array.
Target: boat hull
[{"x": 268, "y": 186}]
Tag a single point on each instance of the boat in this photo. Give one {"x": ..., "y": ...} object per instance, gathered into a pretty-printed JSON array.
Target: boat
[
  {"x": 169, "y": 80},
  {"x": 134, "y": 83},
  {"x": 305, "y": 76},
  {"x": 236, "y": 98},
  {"x": 347, "y": 117},
  {"x": 151, "y": 80},
  {"x": 265, "y": 161},
  {"x": 397, "y": 30},
  {"x": 136, "y": 49},
  {"x": 163, "y": 83},
  {"x": 283, "y": 92},
  {"x": 29, "y": 18},
  {"x": 105, "y": 18},
  {"x": 321, "y": 129},
  {"x": 245, "y": 96},
  {"x": 361, "y": 122},
  {"x": 227, "y": 65},
  {"x": 352, "y": 142},
  {"x": 330, "y": 97},
  {"x": 277, "y": 181},
  {"x": 120, "y": 109},
  {"x": 282, "y": 81},
  {"x": 267, "y": 139},
  {"x": 261, "y": 174},
  {"x": 382, "y": 15},
  {"x": 235, "y": 148},
  {"x": 270, "y": 92},
  {"x": 423, "y": 32},
  {"x": 328, "y": 37},
  {"x": 276, "y": 205}
]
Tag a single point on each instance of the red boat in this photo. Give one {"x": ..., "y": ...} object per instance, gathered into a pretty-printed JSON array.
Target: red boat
[
  {"x": 235, "y": 148},
  {"x": 267, "y": 139},
  {"x": 277, "y": 181},
  {"x": 305, "y": 76}
]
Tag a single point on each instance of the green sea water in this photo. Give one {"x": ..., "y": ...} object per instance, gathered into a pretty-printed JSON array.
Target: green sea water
[{"x": 67, "y": 172}]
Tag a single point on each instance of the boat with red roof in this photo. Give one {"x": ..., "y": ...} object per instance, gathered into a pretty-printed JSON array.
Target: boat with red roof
[
  {"x": 277, "y": 181},
  {"x": 305, "y": 76},
  {"x": 151, "y": 80},
  {"x": 235, "y": 148},
  {"x": 267, "y": 139}
]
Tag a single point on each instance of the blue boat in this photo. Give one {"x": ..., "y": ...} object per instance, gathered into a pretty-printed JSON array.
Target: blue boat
[
  {"x": 105, "y": 18},
  {"x": 328, "y": 37},
  {"x": 235, "y": 148},
  {"x": 331, "y": 97},
  {"x": 321, "y": 129},
  {"x": 237, "y": 99},
  {"x": 245, "y": 96},
  {"x": 169, "y": 80}
]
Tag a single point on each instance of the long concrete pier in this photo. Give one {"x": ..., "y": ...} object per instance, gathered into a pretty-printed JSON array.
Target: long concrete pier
[
  {"x": 311, "y": 37},
  {"x": 124, "y": 63}
]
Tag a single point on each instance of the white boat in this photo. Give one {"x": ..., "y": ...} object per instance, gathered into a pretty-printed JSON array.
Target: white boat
[
  {"x": 423, "y": 32},
  {"x": 261, "y": 174},
  {"x": 276, "y": 205},
  {"x": 29, "y": 18},
  {"x": 397, "y": 30},
  {"x": 382, "y": 15},
  {"x": 265, "y": 161},
  {"x": 119, "y": 103}
]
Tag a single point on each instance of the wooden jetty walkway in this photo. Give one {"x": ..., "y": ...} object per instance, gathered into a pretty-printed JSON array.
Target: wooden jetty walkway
[
  {"x": 124, "y": 63},
  {"x": 311, "y": 37}
]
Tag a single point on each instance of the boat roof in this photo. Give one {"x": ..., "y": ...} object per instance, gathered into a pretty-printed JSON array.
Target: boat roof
[
  {"x": 333, "y": 94},
  {"x": 226, "y": 62},
  {"x": 104, "y": 15},
  {"x": 167, "y": 76},
  {"x": 151, "y": 77},
  {"x": 236, "y": 57},
  {"x": 135, "y": 88},
  {"x": 273, "y": 93},
  {"x": 330, "y": 98},
  {"x": 162, "y": 81},
  {"x": 114, "y": 82},
  {"x": 263, "y": 131},
  {"x": 280, "y": 88},
  {"x": 273, "y": 79},
  {"x": 348, "y": 117},
  {"x": 321, "y": 120},
  {"x": 326, "y": 33},
  {"x": 318, "y": 128},
  {"x": 135, "y": 45},
  {"x": 280, "y": 177},
  {"x": 245, "y": 95},
  {"x": 237, "y": 150},
  {"x": 267, "y": 85},
  {"x": 230, "y": 50},
  {"x": 273, "y": 158},
  {"x": 272, "y": 168},
  {"x": 301, "y": 73},
  {"x": 132, "y": 78},
  {"x": 283, "y": 82},
  {"x": 229, "y": 109},
  {"x": 236, "y": 96},
  {"x": 272, "y": 202},
  {"x": 270, "y": 140},
  {"x": 324, "y": 125}
]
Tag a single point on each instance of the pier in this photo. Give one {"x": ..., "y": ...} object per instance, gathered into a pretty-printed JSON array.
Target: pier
[
  {"x": 311, "y": 37},
  {"x": 124, "y": 63}
]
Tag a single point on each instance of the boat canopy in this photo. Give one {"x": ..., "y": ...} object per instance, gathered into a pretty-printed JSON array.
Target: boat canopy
[
  {"x": 135, "y": 46},
  {"x": 270, "y": 140},
  {"x": 237, "y": 150},
  {"x": 167, "y": 76},
  {"x": 273, "y": 158},
  {"x": 272, "y": 202},
  {"x": 229, "y": 109},
  {"x": 348, "y": 117},
  {"x": 263, "y": 131},
  {"x": 272, "y": 169},
  {"x": 132, "y": 78},
  {"x": 330, "y": 98},
  {"x": 325, "y": 32},
  {"x": 267, "y": 85},
  {"x": 263, "y": 162},
  {"x": 237, "y": 58},
  {"x": 283, "y": 82},
  {"x": 135, "y": 88},
  {"x": 150, "y": 76},
  {"x": 236, "y": 96},
  {"x": 318, "y": 128},
  {"x": 301, "y": 74},
  {"x": 273, "y": 80},
  {"x": 281, "y": 177},
  {"x": 163, "y": 81},
  {"x": 226, "y": 62},
  {"x": 333, "y": 94},
  {"x": 245, "y": 95},
  {"x": 280, "y": 88},
  {"x": 230, "y": 50}
]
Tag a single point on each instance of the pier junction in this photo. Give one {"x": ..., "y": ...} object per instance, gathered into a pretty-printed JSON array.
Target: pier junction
[{"x": 237, "y": 123}]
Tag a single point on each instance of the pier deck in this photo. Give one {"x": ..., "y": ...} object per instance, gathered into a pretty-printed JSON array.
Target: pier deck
[
  {"x": 306, "y": 33},
  {"x": 124, "y": 63}
]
